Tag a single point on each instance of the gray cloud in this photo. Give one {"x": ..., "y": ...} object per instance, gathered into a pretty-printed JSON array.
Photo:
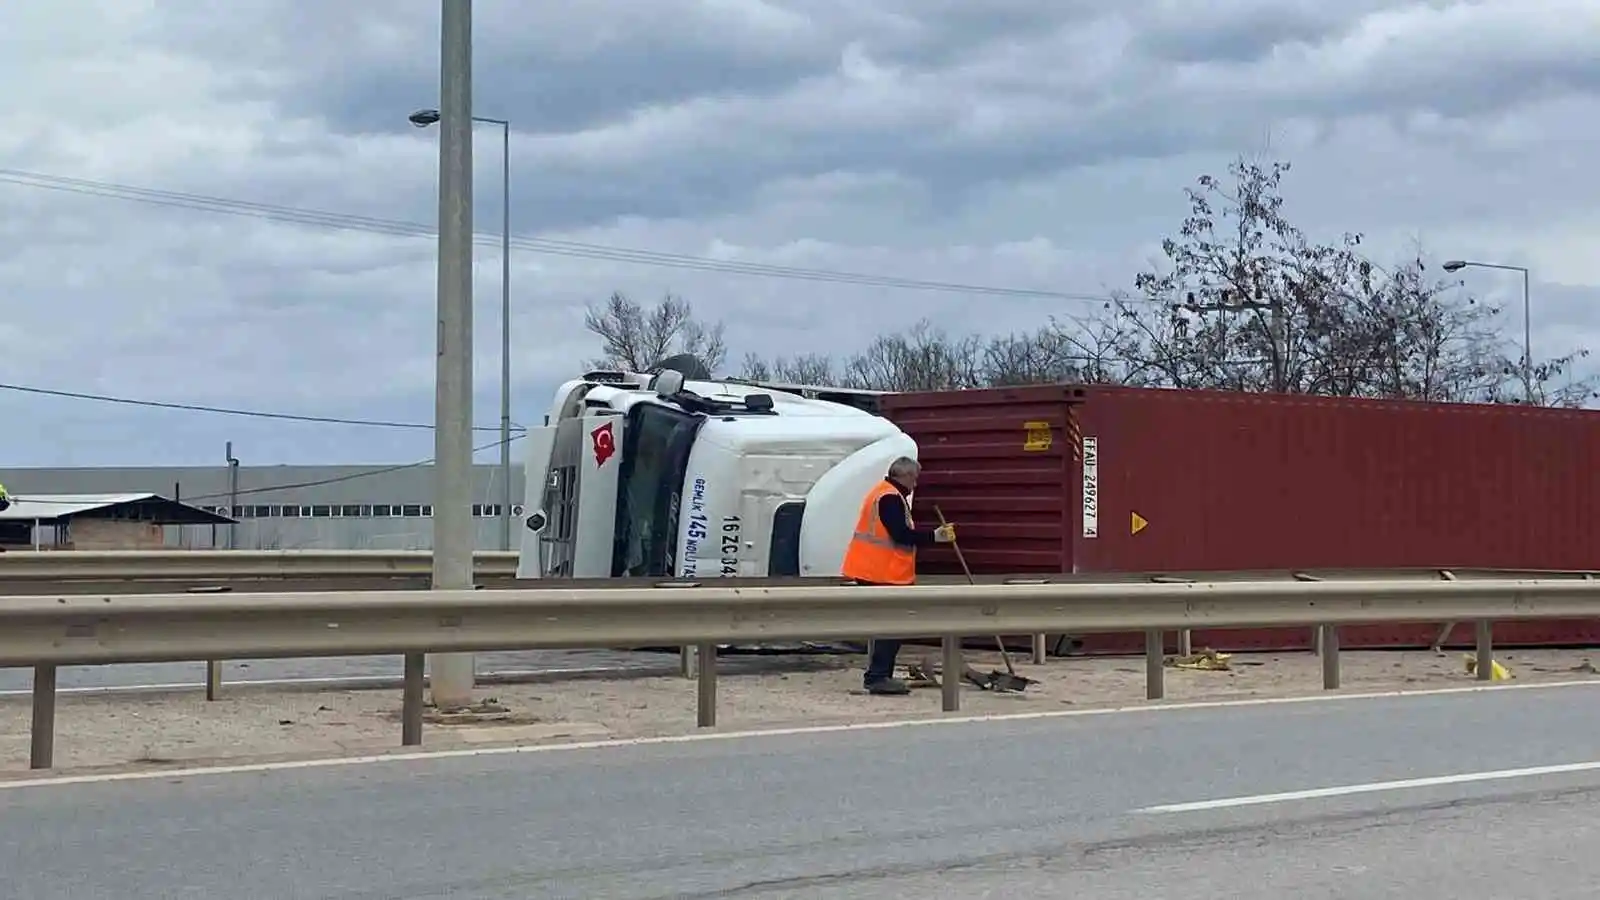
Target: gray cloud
[
  {"x": 1011, "y": 143},
  {"x": 678, "y": 110}
]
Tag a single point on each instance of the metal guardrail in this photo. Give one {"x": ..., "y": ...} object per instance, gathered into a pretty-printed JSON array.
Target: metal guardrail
[
  {"x": 49, "y": 567},
  {"x": 284, "y": 571},
  {"x": 25, "y": 573},
  {"x": 295, "y": 571},
  {"x": 64, "y": 565},
  {"x": 49, "y": 631}
]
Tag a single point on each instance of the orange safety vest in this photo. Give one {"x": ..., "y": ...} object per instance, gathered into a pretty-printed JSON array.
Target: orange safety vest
[{"x": 872, "y": 555}]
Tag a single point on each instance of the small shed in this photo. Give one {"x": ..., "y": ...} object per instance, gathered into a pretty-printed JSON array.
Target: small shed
[{"x": 97, "y": 521}]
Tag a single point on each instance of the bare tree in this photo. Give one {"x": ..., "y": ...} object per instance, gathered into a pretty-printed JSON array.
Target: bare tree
[
  {"x": 923, "y": 358},
  {"x": 1245, "y": 301},
  {"x": 1399, "y": 333},
  {"x": 928, "y": 358},
  {"x": 1220, "y": 312},
  {"x": 806, "y": 368},
  {"x": 1043, "y": 356},
  {"x": 1086, "y": 349},
  {"x": 636, "y": 339}
]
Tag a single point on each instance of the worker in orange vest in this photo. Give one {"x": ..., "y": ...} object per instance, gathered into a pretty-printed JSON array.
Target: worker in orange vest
[{"x": 883, "y": 551}]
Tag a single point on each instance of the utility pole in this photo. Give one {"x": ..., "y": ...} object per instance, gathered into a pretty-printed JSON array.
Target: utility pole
[
  {"x": 1280, "y": 348},
  {"x": 233, "y": 496},
  {"x": 1527, "y": 336},
  {"x": 452, "y": 674},
  {"x": 1277, "y": 328}
]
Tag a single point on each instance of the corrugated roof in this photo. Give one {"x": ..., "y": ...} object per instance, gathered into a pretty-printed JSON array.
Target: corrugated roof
[{"x": 49, "y": 507}]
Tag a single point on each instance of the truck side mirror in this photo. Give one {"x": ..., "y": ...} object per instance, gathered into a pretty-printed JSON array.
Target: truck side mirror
[{"x": 667, "y": 383}]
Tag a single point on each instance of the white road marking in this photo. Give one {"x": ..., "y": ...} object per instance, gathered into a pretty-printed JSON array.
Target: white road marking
[
  {"x": 701, "y": 737},
  {"x": 1376, "y": 787}
]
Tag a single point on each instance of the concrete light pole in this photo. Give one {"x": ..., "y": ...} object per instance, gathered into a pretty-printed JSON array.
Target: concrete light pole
[
  {"x": 422, "y": 118},
  {"x": 452, "y": 674},
  {"x": 1456, "y": 265}
]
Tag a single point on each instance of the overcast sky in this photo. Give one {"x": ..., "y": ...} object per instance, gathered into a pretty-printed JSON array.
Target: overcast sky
[{"x": 1037, "y": 144}]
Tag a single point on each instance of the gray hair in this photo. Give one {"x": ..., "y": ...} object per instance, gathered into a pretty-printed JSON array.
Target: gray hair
[{"x": 904, "y": 466}]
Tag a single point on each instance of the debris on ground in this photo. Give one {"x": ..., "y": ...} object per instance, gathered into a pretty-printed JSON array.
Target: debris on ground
[
  {"x": 1497, "y": 673},
  {"x": 1204, "y": 661},
  {"x": 921, "y": 675},
  {"x": 926, "y": 674}
]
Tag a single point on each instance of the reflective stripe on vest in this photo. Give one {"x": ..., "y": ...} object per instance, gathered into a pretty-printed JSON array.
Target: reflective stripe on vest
[{"x": 872, "y": 554}]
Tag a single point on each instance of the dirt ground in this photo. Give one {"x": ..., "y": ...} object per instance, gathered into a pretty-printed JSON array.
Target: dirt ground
[{"x": 95, "y": 731}]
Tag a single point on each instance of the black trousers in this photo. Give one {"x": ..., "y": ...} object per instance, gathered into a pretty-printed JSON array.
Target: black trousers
[
  {"x": 880, "y": 662},
  {"x": 885, "y": 651}
]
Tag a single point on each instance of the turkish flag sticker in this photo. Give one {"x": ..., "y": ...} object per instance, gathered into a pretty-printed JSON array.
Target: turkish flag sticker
[{"x": 605, "y": 443}]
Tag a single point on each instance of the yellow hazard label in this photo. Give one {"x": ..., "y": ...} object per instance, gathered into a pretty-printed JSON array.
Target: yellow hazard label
[
  {"x": 1137, "y": 523},
  {"x": 1036, "y": 436}
]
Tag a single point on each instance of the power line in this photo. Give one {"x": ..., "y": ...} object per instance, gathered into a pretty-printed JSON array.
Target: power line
[
  {"x": 547, "y": 246},
  {"x": 223, "y": 410},
  {"x": 298, "y": 485},
  {"x": 340, "y": 479}
]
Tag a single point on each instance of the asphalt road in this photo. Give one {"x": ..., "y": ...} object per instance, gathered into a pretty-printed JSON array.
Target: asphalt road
[{"x": 1047, "y": 807}]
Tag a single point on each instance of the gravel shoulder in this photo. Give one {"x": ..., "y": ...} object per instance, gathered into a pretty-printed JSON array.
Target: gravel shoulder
[{"x": 111, "y": 732}]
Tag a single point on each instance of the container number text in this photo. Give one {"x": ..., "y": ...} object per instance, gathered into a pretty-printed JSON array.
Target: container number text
[{"x": 1091, "y": 487}]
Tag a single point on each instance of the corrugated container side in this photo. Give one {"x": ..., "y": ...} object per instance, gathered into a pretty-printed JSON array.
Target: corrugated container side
[
  {"x": 1213, "y": 481},
  {"x": 1224, "y": 481},
  {"x": 998, "y": 463}
]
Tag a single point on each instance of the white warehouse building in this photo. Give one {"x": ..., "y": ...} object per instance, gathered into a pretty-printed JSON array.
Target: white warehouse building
[{"x": 292, "y": 507}]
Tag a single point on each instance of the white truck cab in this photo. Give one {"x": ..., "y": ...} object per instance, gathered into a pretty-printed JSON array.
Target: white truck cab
[{"x": 638, "y": 475}]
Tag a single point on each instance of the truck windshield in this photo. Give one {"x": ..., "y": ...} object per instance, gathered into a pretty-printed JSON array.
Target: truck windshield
[{"x": 655, "y": 456}]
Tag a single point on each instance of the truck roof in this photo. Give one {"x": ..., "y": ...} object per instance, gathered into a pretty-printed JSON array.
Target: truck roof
[{"x": 784, "y": 403}]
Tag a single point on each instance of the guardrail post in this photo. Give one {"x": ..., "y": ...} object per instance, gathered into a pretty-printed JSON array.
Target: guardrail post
[
  {"x": 411, "y": 700},
  {"x": 213, "y": 666},
  {"x": 1155, "y": 664},
  {"x": 686, "y": 662},
  {"x": 1040, "y": 651},
  {"x": 1328, "y": 639},
  {"x": 1485, "y": 650},
  {"x": 706, "y": 707},
  {"x": 1185, "y": 635},
  {"x": 213, "y": 678},
  {"x": 41, "y": 755},
  {"x": 1444, "y": 631},
  {"x": 952, "y": 673},
  {"x": 1319, "y": 633}
]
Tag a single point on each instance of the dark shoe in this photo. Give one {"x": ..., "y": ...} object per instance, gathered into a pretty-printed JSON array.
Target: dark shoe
[{"x": 888, "y": 687}]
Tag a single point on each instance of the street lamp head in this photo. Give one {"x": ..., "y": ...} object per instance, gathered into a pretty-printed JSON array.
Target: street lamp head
[
  {"x": 1454, "y": 265},
  {"x": 422, "y": 118}
]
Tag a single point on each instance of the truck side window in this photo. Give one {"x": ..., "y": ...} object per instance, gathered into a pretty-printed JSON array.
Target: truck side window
[{"x": 783, "y": 554}]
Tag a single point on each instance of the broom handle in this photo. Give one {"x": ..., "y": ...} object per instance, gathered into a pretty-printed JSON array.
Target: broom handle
[
  {"x": 956, "y": 545},
  {"x": 962, "y": 558}
]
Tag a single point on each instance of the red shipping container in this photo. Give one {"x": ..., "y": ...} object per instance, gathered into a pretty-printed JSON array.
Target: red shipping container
[{"x": 1093, "y": 479}]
